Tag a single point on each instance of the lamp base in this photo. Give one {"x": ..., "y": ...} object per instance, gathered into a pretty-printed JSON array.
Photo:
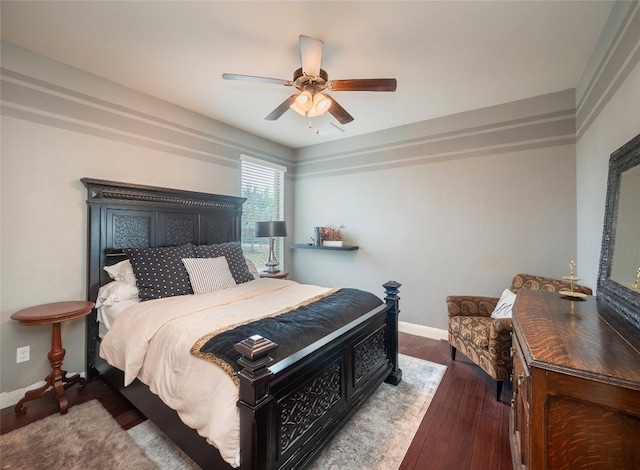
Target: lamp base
[{"x": 272, "y": 263}]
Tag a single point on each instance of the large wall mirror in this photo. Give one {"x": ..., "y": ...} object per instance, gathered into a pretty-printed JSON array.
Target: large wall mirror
[{"x": 619, "y": 273}]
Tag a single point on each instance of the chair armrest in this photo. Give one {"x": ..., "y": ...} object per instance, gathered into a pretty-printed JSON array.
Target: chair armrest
[
  {"x": 500, "y": 340},
  {"x": 471, "y": 305},
  {"x": 501, "y": 326}
]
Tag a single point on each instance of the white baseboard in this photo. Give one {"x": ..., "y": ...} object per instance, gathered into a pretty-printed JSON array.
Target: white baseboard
[
  {"x": 13, "y": 397},
  {"x": 420, "y": 330}
]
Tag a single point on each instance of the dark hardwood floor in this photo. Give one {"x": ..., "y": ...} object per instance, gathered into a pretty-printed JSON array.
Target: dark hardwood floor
[{"x": 464, "y": 427}]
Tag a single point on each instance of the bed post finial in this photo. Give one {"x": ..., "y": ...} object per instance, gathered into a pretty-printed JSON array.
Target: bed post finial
[
  {"x": 393, "y": 301},
  {"x": 391, "y": 289},
  {"x": 254, "y": 361},
  {"x": 254, "y": 399}
]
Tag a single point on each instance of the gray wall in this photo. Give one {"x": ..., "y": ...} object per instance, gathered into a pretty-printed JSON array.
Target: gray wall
[
  {"x": 456, "y": 205},
  {"x": 608, "y": 116},
  {"x": 58, "y": 125}
]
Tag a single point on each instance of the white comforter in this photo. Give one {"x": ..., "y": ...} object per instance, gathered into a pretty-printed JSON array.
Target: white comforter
[{"x": 152, "y": 341}]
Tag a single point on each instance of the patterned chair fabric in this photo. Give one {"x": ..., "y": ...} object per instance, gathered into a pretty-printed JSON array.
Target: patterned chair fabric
[
  {"x": 527, "y": 281},
  {"x": 485, "y": 340}
]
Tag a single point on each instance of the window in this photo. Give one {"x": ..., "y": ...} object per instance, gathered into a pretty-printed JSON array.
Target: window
[{"x": 263, "y": 186}]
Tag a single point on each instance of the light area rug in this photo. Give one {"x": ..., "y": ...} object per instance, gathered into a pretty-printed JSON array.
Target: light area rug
[
  {"x": 375, "y": 438},
  {"x": 86, "y": 437}
]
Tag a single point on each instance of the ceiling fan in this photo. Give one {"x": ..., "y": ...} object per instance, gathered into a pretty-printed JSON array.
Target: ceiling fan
[{"x": 312, "y": 82}]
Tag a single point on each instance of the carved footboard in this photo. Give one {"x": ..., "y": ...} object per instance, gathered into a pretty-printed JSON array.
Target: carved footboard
[{"x": 288, "y": 412}]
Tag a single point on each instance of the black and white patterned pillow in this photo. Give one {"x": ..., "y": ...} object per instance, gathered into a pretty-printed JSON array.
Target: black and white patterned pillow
[
  {"x": 160, "y": 272},
  {"x": 232, "y": 251},
  {"x": 209, "y": 274}
]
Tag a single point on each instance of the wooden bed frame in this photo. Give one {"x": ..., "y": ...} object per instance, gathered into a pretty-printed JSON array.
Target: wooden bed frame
[{"x": 283, "y": 424}]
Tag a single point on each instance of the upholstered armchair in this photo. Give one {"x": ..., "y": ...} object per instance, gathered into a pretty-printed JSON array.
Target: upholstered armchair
[{"x": 487, "y": 340}]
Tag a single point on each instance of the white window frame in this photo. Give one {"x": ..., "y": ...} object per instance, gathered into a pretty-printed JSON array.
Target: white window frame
[{"x": 257, "y": 249}]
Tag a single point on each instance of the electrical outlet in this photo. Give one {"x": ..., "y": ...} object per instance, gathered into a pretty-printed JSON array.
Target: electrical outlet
[{"x": 22, "y": 354}]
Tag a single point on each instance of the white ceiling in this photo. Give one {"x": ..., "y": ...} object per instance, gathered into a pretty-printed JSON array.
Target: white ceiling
[{"x": 448, "y": 56}]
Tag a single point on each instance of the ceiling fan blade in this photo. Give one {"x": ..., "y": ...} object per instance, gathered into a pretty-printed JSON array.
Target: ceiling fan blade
[
  {"x": 339, "y": 112},
  {"x": 280, "y": 110},
  {"x": 363, "y": 84},
  {"x": 252, "y": 78},
  {"x": 311, "y": 55}
]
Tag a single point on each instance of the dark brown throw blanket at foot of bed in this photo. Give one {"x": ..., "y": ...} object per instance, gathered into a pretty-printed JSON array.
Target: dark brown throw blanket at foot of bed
[{"x": 292, "y": 330}]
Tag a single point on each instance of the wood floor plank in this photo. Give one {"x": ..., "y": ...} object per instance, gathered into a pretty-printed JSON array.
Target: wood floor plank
[
  {"x": 466, "y": 422},
  {"x": 489, "y": 432},
  {"x": 504, "y": 459},
  {"x": 463, "y": 428},
  {"x": 415, "y": 346}
]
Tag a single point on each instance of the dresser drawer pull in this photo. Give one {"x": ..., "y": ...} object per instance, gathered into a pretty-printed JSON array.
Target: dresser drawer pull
[{"x": 520, "y": 379}]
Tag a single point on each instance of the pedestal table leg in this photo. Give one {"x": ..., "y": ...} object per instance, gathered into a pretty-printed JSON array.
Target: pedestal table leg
[{"x": 57, "y": 382}]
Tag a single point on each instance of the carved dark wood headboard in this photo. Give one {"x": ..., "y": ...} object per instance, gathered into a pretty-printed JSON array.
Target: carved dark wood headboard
[{"x": 123, "y": 215}]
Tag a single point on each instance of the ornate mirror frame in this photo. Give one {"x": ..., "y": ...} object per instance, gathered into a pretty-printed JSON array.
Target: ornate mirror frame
[{"x": 624, "y": 300}]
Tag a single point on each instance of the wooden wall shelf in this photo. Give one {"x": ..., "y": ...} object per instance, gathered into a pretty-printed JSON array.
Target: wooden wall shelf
[{"x": 305, "y": 246}]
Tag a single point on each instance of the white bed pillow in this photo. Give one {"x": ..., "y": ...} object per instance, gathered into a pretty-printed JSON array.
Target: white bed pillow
[
  {"x": 504, "y": 307},
  {"x": 107, "y": 314},
  {"x": 209, "y": 274},
  {"x": 122, "y": 271},
  {"x": 116, "y": 291}
]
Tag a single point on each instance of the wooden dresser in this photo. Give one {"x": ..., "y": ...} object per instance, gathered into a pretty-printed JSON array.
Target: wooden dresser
[{"x": 576, "y": 387}]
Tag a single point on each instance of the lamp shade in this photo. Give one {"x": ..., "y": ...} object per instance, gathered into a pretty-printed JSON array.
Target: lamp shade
[{"x": 274, "y": 228}]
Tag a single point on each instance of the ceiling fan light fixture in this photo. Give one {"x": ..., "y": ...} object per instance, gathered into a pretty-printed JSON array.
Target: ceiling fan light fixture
[
  {"x": 309, "y": 105},
  {"x": 321, "y": 103},
  {"x": 294, "y": 106},
  {"x": 304, "y": 101}
]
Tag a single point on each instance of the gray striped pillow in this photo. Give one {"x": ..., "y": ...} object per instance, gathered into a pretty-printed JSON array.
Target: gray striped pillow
[{"x": 208, "y": 274}]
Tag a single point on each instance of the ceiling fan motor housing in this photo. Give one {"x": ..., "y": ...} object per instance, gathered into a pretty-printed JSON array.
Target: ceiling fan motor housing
[{"x": 303, "y": 82}]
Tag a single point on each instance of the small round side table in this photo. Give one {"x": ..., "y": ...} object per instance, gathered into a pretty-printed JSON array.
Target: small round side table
[{"x": 57, "y": 382}]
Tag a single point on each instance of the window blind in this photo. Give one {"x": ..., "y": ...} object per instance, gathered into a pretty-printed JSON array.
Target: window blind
[{"x": 263, "y": 186}]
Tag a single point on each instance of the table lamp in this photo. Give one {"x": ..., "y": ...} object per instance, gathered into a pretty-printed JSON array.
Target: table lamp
[{"x": 271, "y": 229}]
